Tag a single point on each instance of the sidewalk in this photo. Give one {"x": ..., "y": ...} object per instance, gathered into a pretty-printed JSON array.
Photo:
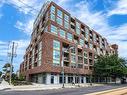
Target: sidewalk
[
  {"x": 47, "y": 87},
  {"x": 5, "y": 86}
]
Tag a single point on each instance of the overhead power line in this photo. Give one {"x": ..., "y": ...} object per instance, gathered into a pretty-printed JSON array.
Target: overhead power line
[{"x": 28, "y": 5}]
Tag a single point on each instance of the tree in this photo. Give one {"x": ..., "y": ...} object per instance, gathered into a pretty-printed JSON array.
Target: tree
[
  {"x": 110, "y": 66},
  {"x": 0, "y": 73},
  {"x": 6, "y": 70}
]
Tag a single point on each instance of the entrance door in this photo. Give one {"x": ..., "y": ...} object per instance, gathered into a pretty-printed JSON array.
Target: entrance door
[{"x": 52, "y": 79}]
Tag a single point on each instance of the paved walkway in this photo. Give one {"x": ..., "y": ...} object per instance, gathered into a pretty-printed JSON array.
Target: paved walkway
[
  {"x": 4, "y": 85},
  {"x": 47, "y": 87}
]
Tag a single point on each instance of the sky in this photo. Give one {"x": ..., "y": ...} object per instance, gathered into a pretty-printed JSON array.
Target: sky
[{"x": 107, "y": 17}]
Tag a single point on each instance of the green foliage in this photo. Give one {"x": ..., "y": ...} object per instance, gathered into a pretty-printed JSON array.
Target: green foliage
[
  {"x": 110, "y": 66},
  {"x": 6, "y": 70},
  {"x": 21, "y": 78},
  {"x": 0, "y": 73},
  {"x": 16, "y": 83}
]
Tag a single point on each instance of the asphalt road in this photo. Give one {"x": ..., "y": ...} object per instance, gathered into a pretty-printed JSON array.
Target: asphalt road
[{"x": 65, "y": 91}]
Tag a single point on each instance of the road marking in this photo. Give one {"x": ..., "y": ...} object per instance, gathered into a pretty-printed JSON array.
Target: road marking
[{"x": 117, "y": 91}]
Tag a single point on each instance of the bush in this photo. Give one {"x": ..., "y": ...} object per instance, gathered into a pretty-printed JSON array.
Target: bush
[{"x": 16, "y": 83}]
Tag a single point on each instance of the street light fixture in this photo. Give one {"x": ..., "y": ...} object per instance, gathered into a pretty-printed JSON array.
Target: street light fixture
[{"x": 62, "y": 62}]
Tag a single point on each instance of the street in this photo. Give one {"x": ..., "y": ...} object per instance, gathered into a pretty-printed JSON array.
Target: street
[{"x": 66, "y": 91}]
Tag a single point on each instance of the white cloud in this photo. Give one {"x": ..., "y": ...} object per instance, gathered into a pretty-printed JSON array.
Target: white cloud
[
  {"x": 25, "y": 27},
  {"x": 98, "y": 21},
  {"x": 26, "y": 6},
  {"x": 120, "y": 9},
  {"x": 20, "y": 51}
]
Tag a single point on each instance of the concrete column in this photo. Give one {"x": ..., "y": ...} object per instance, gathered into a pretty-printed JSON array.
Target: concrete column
[
  {"x": 55, "y": 79},
  {"x": 58, "y": 78},
  {"x": 74, "y": 78},
  {"x": 48, "y": 78},
  {"x": 84, "y": 79},
  {"x": 66, "y": 78}
]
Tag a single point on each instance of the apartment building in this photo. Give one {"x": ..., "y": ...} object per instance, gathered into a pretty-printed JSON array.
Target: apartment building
[{"x": 62, "y": 43}]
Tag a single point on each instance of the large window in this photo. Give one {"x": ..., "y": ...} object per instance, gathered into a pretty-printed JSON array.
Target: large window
[
  {"x": 59, "y": 13},
  {"x": 56, "y": 53},
  {"x": 94, "y": 37},
  {"x": 73, "y": 58},
  {"x": 59, "y": 21},
  {"x": 52, "y": 17},
  {"x": 85, "y": 57},
  {"x": 33, "y": 51},
  {"x": 66, "y": 21},
  {"x": 40, "y": 53},
  {"x": 56, "y": 45},
  {"x": 91, "y": 46},
  {"x": 53, "y": 29},
  {"x": 66, "y": 24},
  {"x": 81, "y": 42},
  {"x": 87, "y": 33},
  {"x": 52, "y": 13},
  {"x": 62, "y": 33},
  {"x": 77, "y": 28},
  {"x": 69, "y": 36},
  {"x": 53, "y": 9},
  {"x": 66, "y": 17}
]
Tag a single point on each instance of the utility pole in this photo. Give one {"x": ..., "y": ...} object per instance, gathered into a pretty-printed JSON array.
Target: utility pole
[{"x": 12, "y": 55}]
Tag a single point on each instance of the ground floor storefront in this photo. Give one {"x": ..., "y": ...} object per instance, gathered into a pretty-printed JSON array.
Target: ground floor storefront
[
  {"x": 52, "y": 78},
  {"x": 55, "y": 78}
]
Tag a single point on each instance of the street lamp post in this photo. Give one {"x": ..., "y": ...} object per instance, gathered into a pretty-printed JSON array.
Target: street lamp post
[{"x": 62, "y": 62}]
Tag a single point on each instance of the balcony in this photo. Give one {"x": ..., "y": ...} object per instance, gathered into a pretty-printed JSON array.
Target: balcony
[
  {"x": 80, "y": 60},
  {"x": 66, "y": 63},
  {"x": 66, "y": 59},
  {"x": 90, "y": 62},
  {"x": 66, "y": 50},
  {"x": 73, "y": 24}
]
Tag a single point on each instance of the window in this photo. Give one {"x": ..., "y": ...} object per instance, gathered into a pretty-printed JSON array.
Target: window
[
  {"x": 66, "y": 17},
  {"x": 59, "y": 21},
  {"x": 78, "y": 31},
  {"x": 91, "y": 46},
  {"x": 87, "y": 33},
  {"x": 69, "y": 36},
  {"x": 81, "y": 42},
  {"x": 40, "y": 53},
  {"x": 94, "y": 37},
  {"x": 85, "y": 54},
  {"x": 73, "y": 58},
  {"x": 59, "y": 13},
  {"x": 66, "y": 21},
  {"x": 66, "y": 24},
  {"x": 77, "y": 28},
  {"x": 78, "y": 25},
  {"x": 52, "y": 9},
  {"x": 52, "y": 17},
  {"x": 73, "y": 50},
  {"x": 56, "y": 53},
  {"x": 53, "y": 29},
  {"x": 85, "y": 61},
  {"x": 56, "y": 45},
  {"x": 62, "y": 33}
]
